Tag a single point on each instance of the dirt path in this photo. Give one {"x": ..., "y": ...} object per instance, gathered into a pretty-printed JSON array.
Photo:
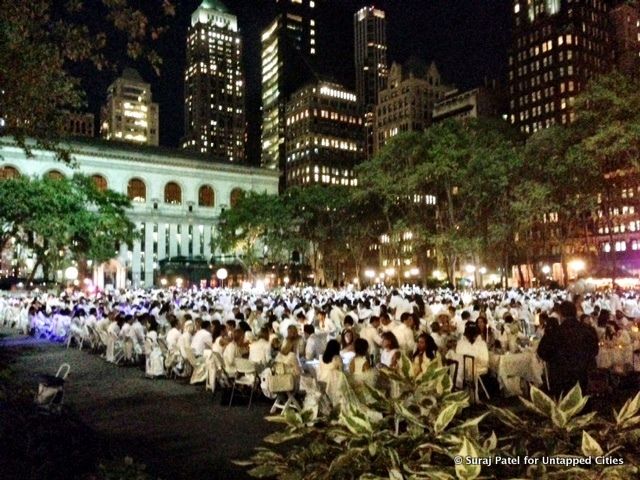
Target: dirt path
[{"x": 177, "y": 430}]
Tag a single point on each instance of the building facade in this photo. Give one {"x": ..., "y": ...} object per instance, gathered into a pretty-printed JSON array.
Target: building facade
[
  {"x": 481, "y": 102},
  {"x": 324, "y": 136},
  {"x": 406, "y": 105},
  {"x": 176, "y": 200},
  {"x": 214, "y": 84},
  {"x": 81, "y": 124},
  {"x": 370, "y": 42},
  {"x": 625, "y": 22},
  {"x": 129, "y": 114},
  {"x": 557, "y": 46},
  {"x": 289, "y": 50}
]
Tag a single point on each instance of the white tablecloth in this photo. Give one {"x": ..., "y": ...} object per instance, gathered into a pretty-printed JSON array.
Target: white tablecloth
[
  {"x": 511, "y": 368},
  {"x": 615, "y": 356}
]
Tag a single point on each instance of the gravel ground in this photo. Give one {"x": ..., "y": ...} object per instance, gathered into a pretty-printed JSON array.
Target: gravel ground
[{"x": 177, "y": 430}]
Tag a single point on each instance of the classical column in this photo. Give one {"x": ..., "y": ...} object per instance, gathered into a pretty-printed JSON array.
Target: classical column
[
  {"x": 148, "y": 254},
  {"x": 136, "y": 264},
  {"x": 173, "y": 240},
  {"x": 162, "y": 244}
]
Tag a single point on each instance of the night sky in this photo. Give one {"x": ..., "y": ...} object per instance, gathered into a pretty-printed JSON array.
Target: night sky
[{"x": 467, "y": 39}]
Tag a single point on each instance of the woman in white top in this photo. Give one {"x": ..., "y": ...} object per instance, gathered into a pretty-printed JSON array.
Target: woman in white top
[
  {"x": 390, "y": 353},
  {"x": 185, "y": 339},
  {"x": 329, "y": 371},
  {"x": 473, "y": 345},
  {"x": 288, "y": 354},
  {"x": 233, "y": 351},
  {"x": 360, "y": 368}
]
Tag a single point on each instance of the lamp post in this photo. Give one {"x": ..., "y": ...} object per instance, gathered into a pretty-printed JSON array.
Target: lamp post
[
  {"x": 222, "y": 274},
  {"x": 71, "y": 275}
]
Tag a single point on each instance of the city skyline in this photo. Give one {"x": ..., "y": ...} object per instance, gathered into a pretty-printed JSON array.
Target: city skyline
[{"x": 465, "y": 55}]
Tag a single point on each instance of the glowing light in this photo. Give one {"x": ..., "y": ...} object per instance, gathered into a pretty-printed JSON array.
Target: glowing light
[
  {"x": 470, "y": 269},
  {"x": 222, "y": 274},
  {"x": 369, "y": 274},
  {"x": 546, "y": 269},
  {"x": 71, "y": 273},
  {"x": 163, "y": 282},
  {"x": 483, "y": 270},
  {"x": 577, "y": 265},
  {"x": 415, "y": 272},
  {"x": 390, "y": 272},
  {"x": 179, "y": 282},
  {"x": 286, "y": 280}
]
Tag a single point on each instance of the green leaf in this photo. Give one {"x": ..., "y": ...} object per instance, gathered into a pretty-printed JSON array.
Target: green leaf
[
  {"x": 590, "y": 447},
  {"x": 444, "y": 418},
  {"x": 465, "y": 471},
  {"x": 573, "y": 402},
  {"x": 472, "y": 422},
  {"x": 628, "y": 410},
  {"x": 543, "y": 402},
  {"x": 491, "y": 443},
  {"x": 507, "y": 417},
  {"x": 395, "y": 474}
]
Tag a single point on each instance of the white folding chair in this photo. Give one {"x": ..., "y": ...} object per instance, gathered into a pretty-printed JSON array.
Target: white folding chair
[
  {"x": 475, "y": 379},
  {"x": 246, "y": 375}
]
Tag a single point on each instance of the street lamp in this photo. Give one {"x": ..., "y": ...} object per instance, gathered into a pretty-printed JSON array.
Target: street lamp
[
  {"x": 577, "y": 265},
  {"x": 483, "y": 270},
  {"x": 415, "y": 271},
  {"x": 546, "y": 269},
  {"x": 71, "y": 274},
  {"x": 470, "y": 269},
  {"x": 163, "y": 282},
  {"x": 222, "y": 274}
]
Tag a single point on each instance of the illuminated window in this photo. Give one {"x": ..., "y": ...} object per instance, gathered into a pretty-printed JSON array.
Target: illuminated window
[
  {"x": 137, "y": 190},
  {"x": 237, "y": 194},
  {"x": 100, "y": 182},
  {"x": 8, "y": 172},
  {"x": 54, "y": 175},
  {"x": 206, "y": 196},
  {"x": 172, "y": 193}
]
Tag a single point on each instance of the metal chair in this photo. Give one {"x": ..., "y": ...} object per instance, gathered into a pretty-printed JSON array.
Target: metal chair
[
  {"x": 246, "y": 375},
  {"x": 453, "y": 366},
  {"x": 475, "y": 379}
]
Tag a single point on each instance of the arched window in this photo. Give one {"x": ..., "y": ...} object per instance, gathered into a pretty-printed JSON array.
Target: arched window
[
  {"x": 172, "y": 193},
  {"x": 100, "y": 182},
  {"x": 237, "y": 194},
  {"x": 8, "y": 172},
  {"x": 206, "y": 196},
  {"x": 137, "y": 190},
  {"x": 55, "y": 175}
]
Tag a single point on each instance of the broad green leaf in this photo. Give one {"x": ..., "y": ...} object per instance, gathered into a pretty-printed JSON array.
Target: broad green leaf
[
  {"x": 590, "y": 447},
  {"x": 472, "y": 422},
  {"x": 573, "y": 402},
  {"x": 444, "y": 418},
  {"x": 491, "y": 443},
  {"x": 543, "y": 402},
  {"x": 464, "y": 471},
  {"x": 507, "y": 417},
  {"x": 395, "y": 474},
  {"x": 628, "y": 410}
]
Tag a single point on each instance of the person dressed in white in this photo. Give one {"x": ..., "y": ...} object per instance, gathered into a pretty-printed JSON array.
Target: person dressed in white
[
  {"x": 369, "y": 332},
  {"x": 329, "y": 371},
  {"x": 173, "y": 335},
  {"x": 315, "y": 343},
  {"x": 203, "y": 339},
  {"x": 233, "y": 351},
  {"x": 260, "y": 349},
  {"x": 471, "y": 344},
  {"x": 405, "y": 334}
]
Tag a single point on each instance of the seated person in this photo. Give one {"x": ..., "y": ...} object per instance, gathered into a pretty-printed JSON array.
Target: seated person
[{"x": 426, "y": 351}]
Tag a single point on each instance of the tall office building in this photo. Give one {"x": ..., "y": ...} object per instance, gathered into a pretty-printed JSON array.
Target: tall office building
[
  {"x": 129, "y": 113},
  {"x": 625, "y": 22},
  {"x": 370, "y": 28},
  {"x": 324, "y": 135},
  {"x": 214, "y": 84},
  {"x": 406, "y": 105},
  {"x": 557, "y": 46},
  {"x": 288, "y": 55},
  {"x": 370, "y": 41}
]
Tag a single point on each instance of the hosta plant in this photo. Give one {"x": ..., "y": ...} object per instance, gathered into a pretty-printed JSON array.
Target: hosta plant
[
  {"x": 548, "y": 428},
  {"x": 412, "y": 430}
]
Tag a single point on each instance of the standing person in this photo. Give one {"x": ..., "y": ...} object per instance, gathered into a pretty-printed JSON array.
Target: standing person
[{"x": 570, "y": 351}]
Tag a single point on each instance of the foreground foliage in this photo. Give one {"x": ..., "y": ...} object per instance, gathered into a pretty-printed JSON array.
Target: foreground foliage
[{"x": 417, "y": 433}]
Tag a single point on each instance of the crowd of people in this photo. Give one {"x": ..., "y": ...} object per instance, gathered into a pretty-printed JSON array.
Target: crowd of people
[{"x": 321, "y": 332}]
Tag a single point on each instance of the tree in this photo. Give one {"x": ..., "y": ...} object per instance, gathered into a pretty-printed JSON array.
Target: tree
[
  {"x": 260, "y": 226},
  {"x": 45, "y": 41},
  {"x": 63, "y": 220}
]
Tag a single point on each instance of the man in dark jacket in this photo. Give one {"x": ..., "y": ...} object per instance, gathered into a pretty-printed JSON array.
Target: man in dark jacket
[{"x": 569, "y": 350}]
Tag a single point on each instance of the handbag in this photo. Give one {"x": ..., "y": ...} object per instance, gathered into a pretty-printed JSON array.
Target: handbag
[{"x": 281, "y": 379}]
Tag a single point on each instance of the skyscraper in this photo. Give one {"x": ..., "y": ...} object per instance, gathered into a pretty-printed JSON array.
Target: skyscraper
[
  {"x": 324, "y": 135},
  {"x": 625, "y": 22},
  {"x": 557, "y": 46},
  {"x": 214, "y": 85},
  {"x": 288, "y": 53},
  {"x": 129, "y": 114},
  {"x": 370, "y": 27}
]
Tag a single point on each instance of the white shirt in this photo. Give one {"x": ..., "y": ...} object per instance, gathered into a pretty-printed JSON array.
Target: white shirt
[
  {"x": 405, "y": 337},
  {"x": 201, "y": 341},
  {"x": 314, "y": 348},
  {"x": 172, "y": 338},
  {"x": 260, "y": 351}
]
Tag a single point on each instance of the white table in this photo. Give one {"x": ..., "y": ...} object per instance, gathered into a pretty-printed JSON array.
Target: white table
[{"x": 512, "y": 368}]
